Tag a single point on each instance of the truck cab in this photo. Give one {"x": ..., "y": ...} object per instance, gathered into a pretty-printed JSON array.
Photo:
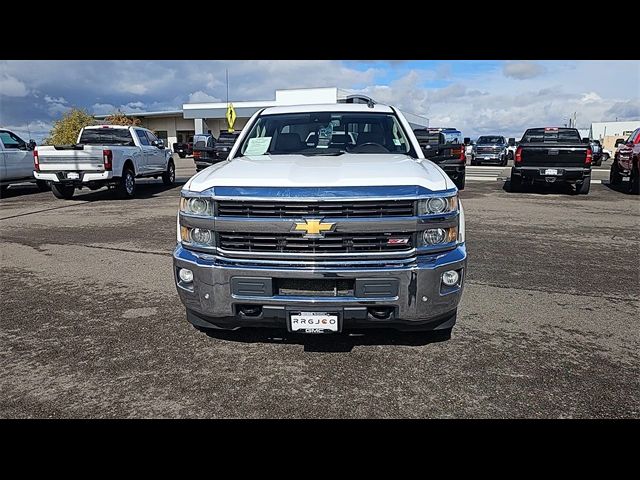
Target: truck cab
[
  {"x": 322, "y": 238},
  {"x": 16, "y": 161}
]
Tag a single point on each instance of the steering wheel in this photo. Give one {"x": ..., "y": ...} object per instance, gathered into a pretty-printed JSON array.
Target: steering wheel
[{"x": 370, "y": 144}]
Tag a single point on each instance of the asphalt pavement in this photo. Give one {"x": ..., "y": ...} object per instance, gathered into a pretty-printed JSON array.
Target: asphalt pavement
[{"x": 91, "y": 324}]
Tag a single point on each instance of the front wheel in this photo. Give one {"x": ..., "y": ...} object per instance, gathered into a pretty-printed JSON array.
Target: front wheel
[
  {"x": 460, "y": 181},
  {"x": 169, "y": 176},
  {"x": 62, "y": 191},
  {"x": 126, "y": 187},
  {"x": 614, "y": 175},
  {"x": 504, "y": 162},
  {"x": 634, "y": 183}
]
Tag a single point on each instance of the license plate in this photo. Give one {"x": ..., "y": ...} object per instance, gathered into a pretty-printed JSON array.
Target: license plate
[
  {"x": 626, "y": 179},
  {"x": 314, "y": 322},
  {"x": 551, "y": 171},
  {"x": 73, "y": 176}
]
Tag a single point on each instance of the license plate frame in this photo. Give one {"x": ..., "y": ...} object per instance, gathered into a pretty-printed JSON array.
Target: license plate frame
[
  {"x": 314, "y": 321},
  {"x": 73, "y": 176}
]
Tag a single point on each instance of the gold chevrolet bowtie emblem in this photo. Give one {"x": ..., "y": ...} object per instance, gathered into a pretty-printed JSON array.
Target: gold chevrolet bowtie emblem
[{"x": 314, "y": 227}]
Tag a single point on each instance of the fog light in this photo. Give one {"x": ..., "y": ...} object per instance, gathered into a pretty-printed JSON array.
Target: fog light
[
  {"x": 185, "y": 275},
  {"x": 434, "y": 236},
  {"x": 450, "y": 278}
]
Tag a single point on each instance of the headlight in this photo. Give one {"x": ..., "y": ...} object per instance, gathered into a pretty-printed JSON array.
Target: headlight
[
  {"x": 196, "y": 206},
  {"x": 197, "y": 237},
  {"x": 436, "y": 205},
  {"x": 438, "y": 236}
]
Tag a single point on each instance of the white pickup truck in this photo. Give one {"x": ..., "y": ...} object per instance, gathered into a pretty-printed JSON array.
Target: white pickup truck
[
  {"x": 16, "y": 161},
  {"x": 105, "y": 155},
  {"x": 355, "y": 230}
]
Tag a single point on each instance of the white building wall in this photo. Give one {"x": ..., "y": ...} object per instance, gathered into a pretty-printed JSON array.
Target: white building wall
[{"x": 621, "y": 129}]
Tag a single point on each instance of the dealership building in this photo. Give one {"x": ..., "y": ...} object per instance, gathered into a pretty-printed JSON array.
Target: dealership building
[{"x": 179, "y": 125}]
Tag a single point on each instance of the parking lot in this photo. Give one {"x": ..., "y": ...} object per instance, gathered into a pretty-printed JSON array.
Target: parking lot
[{"x": 548, "y": 326}]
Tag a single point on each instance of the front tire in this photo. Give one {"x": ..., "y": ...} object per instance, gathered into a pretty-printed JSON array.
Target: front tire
[
  {"x": 460, "y": 181},
  {"x": 62, "y": 191},
  {"x": 126, "y": 187},
  {"x": 3, "y": 190},
  {"x": 634, "y": 181},
  {"x": 169, "y": 177},
  {"x": 614, "y": 175},
  {"x": 504, "y": 162}
]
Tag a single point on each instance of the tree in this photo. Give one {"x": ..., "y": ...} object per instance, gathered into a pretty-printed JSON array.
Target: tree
[
  {"x": 65, "y": 131},
  {"x": 119, "y": 118}
]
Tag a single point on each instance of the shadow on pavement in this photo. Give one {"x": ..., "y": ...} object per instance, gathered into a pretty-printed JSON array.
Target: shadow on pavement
[
  {"x": 542, "y": 188},
  {"x": 342, "y": 342},
  {"x": 18, "y": 190},
  {"x": 624, "y": 187},
  {"x": 143, "y": 190}
]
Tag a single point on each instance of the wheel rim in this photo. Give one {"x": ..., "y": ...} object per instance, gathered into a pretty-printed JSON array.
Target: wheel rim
[{"x": 128, "y": 183}]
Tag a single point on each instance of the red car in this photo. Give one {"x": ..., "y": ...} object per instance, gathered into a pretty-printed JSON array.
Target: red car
[{"x": 625, "y": 163}]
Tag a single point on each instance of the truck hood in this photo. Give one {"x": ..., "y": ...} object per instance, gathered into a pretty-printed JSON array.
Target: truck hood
[{"x": 346, "y": 170}]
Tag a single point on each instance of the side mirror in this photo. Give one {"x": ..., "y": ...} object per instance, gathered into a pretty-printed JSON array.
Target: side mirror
[
  {"x": 31, "y": 145},
  {"x": 586, "y": 140},
  {"x": 619, "y": 141},
  {"x": 512, "y": 142},
  {"x": 158, "y": 143},
  {"x": 467, "y": 140}
]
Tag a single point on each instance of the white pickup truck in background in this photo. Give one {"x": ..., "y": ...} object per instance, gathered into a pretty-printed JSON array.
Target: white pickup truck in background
[
  {"x": 16, "y": 161},
  {"x": 105, "y": 155}
]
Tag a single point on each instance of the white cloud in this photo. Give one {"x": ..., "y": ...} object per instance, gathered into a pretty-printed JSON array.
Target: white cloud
[
  {"x": 522, "y": 70},
  {"x": 56, "y": 105},
  {"x": 590, "y": 97},
  {"x": 202, "y": 97},
  {"x": 11, "y": 86}
]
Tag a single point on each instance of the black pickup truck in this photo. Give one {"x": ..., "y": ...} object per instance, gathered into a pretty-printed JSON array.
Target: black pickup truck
[
  {"x": 204, "y": 153},
  {"x": 445, "y": 147},
  {"x": 552, "y": 155},
  {"x": 224, "y": 144}
]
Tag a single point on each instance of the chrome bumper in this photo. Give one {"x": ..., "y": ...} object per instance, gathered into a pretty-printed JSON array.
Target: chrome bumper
[{"x": 421, "y": 298}]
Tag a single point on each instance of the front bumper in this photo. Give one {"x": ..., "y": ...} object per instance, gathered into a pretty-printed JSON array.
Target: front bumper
[
  {"x": 564, "y": 174},
  {"x": 489, "y": 157},
  {"x": 420, "y": 300}
]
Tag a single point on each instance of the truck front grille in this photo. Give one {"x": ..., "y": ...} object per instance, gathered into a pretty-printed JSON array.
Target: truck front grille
[
  {"x": 387, "y": 208},
  {"x": 333, "y": 242}
]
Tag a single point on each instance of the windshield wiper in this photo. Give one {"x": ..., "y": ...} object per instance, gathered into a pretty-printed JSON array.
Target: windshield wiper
[{"x": 324, "y": 154}]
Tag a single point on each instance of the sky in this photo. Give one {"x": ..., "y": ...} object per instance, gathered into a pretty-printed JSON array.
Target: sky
[{"x": 477, "y": 97}]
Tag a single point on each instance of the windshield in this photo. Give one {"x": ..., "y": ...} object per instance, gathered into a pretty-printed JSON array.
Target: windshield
[
  {"x": 491, "y": 139},
  {"x": 325, "y": 133},
  {"x": 106, "y": 136}
]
